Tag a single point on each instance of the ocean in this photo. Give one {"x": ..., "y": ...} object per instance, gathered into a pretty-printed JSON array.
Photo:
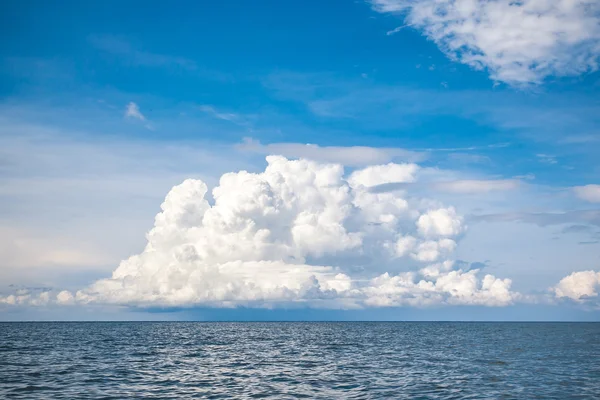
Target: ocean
[{"x": 289, "y": 360}]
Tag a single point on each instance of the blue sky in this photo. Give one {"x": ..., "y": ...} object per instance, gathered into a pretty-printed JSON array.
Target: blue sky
[{"x": 106, "y": 106}]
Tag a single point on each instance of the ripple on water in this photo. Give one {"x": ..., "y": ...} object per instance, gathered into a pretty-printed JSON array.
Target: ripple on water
[{"x": 299, "y": 360}]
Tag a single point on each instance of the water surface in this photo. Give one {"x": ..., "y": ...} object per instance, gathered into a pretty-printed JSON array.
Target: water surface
[{"x": 343, "y": 360}]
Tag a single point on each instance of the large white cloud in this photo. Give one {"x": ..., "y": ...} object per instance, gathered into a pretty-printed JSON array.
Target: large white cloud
[
  {"x": 299, "y": 232},
  {"x": 519, "y": 42},
  {"x": 578, "y": 286}
]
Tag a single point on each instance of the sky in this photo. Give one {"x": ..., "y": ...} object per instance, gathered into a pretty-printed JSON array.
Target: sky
[{"x": 339, "y": 160}]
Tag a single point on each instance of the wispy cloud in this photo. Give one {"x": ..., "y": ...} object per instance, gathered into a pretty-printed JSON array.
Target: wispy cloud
[
  {"x": 463, "y": 186},
  {"x": 467, "y": 158},
  {"x": 133, "y": 111},
  {"x": 546, "y": 159},
  {"x": 235, "y": 118},
  {"x": 120, "y": 47},
  {"x": 518, "y": 42},
  {"x": 136, "y": 56},
  {"x": 477, "y": 186},
  {"x": 346, "y": 155},
  {"x": 577, "y": 229},
  {"x": 378, "y": 106},
  {"x": 543, "y": 218},
  {"x": 396, "y": 30},
  {"x": 590, "y": 193},
  {"x": 470, "y": 148},
  {"x": 581, "y": 139}
]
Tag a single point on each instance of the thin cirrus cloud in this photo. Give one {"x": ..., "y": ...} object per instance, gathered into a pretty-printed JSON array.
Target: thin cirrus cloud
[
  {"x": 518, "y": 43},
  {"x": 225, "y": 116},
  {"x": 590, "y": 217},
  {"x": 478, "y": 186},
  {"x": 134, "y": 56},
  {"x": 345, "y": 155},
  {"x": 460, "y": 186},
  {"x": 131, "y": 55}
]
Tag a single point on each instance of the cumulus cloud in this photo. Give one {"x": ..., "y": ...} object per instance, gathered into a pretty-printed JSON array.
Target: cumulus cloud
[
  {"x": 518, "y": 42},
  {"x": 590, "y": 193},
  {"x": 443, "y": 285},
  {"x": 439, "y": 223},
  {"x": 133, "y": 111},
  {"x": 578, "y": 286},
  {"x": 27, "y": 297},
  {"x": 300, "y": 232},
  {"x": 65, "y": 297}
]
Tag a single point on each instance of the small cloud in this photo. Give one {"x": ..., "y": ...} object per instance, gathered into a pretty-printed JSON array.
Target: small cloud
[
  {"x": 396, "y": 30},
  {"x": 546, "y": 159},
  {"x": 133, "y": 111},
  {"x": 444, "y": 85},
  {"x": 527, "y": 177},
  {"x": 224, "y": 116}
]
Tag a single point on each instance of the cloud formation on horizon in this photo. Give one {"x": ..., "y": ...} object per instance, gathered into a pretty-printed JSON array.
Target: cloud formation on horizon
[{"x": 300, "y": 233}]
